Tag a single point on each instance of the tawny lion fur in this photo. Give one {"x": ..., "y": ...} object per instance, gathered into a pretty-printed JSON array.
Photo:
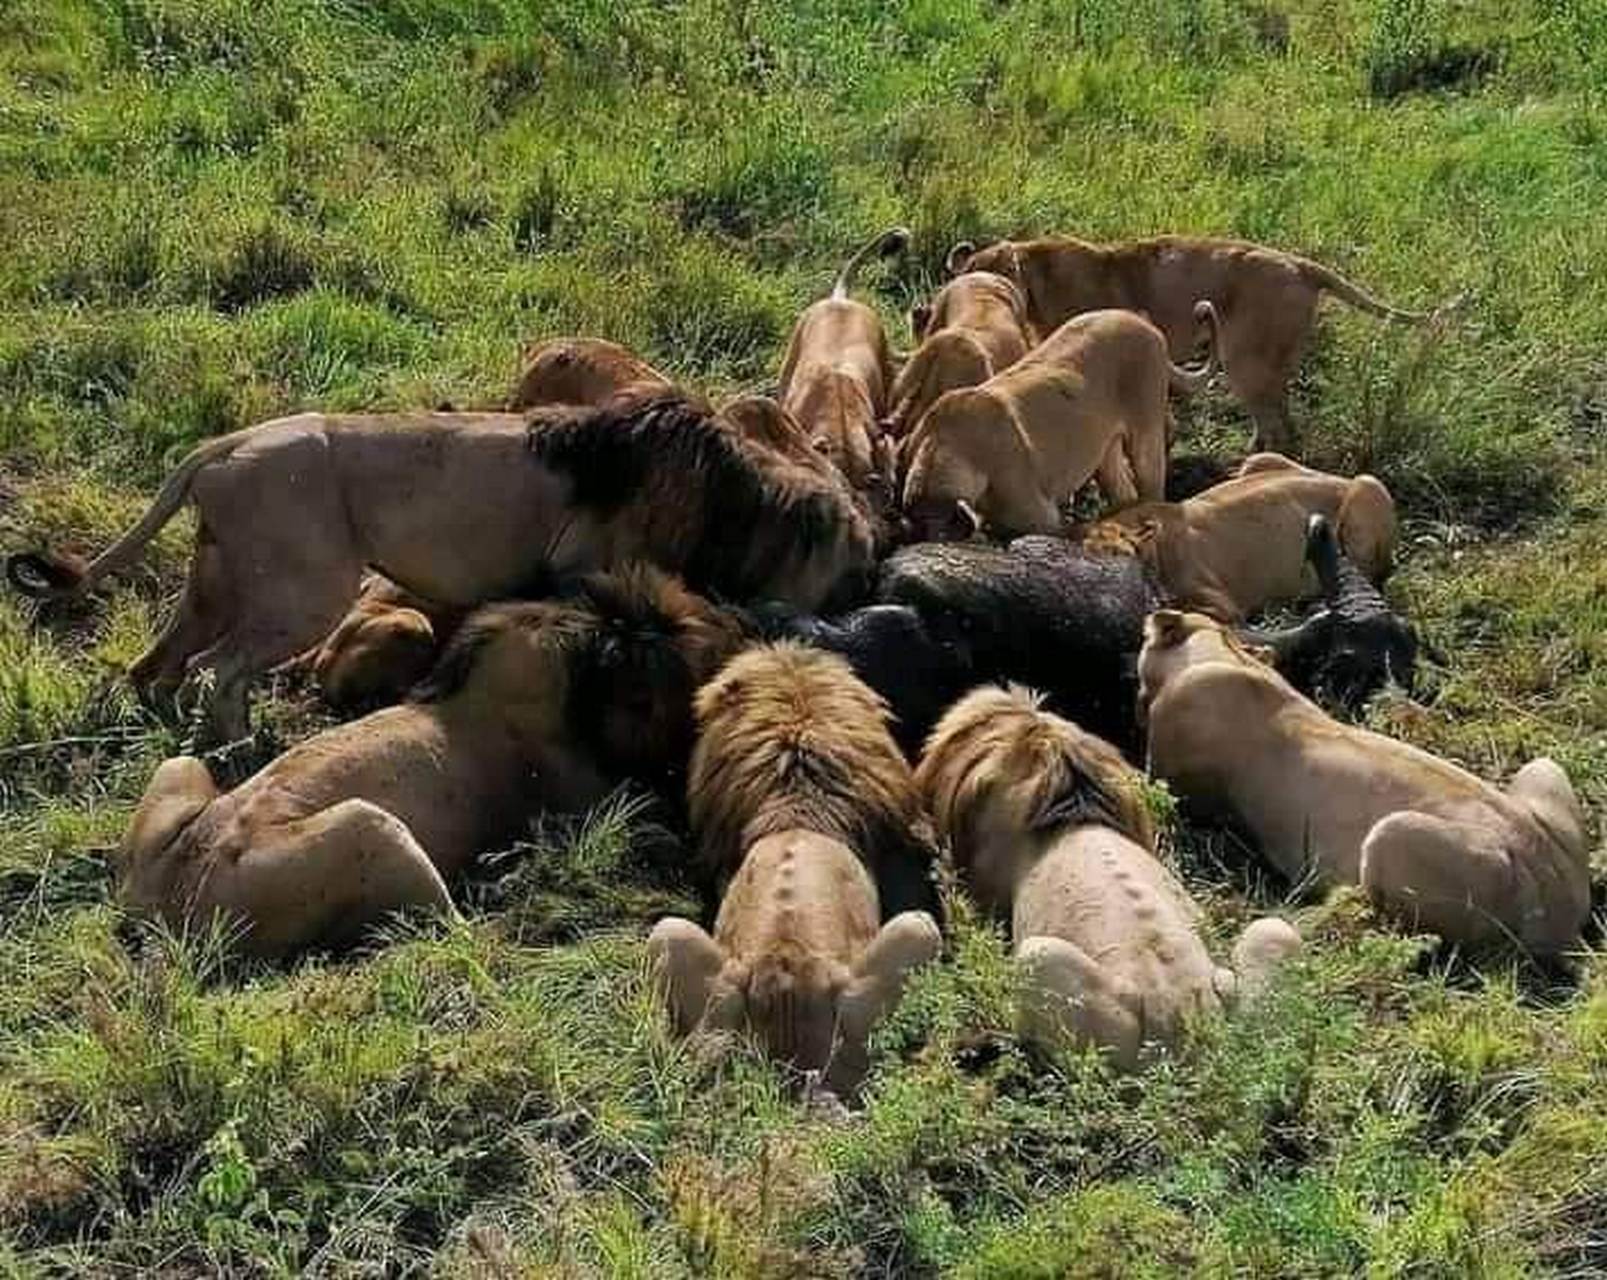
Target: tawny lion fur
[
  {"x": 975, "y": 327},
  {"x": 836, "y": 373},
  {"x": 460, "y": 509},
  {"x": 1267, "y": 300},
  {"x": 800, "y": 799},
  {"x": 1089, "y": 401},
  {"x": 1341, "y": 805},
  {"x": 1240, "y": 545},
  {"x": 1048, "y": 827},
  {"x": 582, "y": 371},
  {"x": 534, "y": 706},
  {"x": 385, "y": 644}
]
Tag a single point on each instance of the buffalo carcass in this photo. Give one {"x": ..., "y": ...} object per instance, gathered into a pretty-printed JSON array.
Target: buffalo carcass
[
  {"x": 1045, "y": 612},
  {"x": 1348, "y": 650},
  {"x": 1068, "y": 620},
  {"x": 951, "y": 616}
]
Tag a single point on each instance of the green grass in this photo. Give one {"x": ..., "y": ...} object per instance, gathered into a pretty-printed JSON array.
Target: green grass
[{"x": 212, "y": 212}]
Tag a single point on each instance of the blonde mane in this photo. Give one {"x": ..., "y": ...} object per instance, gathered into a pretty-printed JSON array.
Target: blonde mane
[{"x": 997, "y": 746}]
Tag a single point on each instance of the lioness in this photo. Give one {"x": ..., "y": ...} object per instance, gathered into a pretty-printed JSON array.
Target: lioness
[
  {"x": 384, "y": 645},
  {"x": 582, "y": 371},
  {"x": 835, "y": 376},
  {"x": 1090, "y": 400},
  {"x": 462, "y": 508},
  {"x": 533, "y": 706},
  {"x": 974, "y": 327},
  {"x": 1241, "y": 545},
  {"x": 1267, "y": 300},
  {"x": 799, "y": 796},
  {"x": 1048, "y": 827},
  {"x": 1428, "y": 840}
]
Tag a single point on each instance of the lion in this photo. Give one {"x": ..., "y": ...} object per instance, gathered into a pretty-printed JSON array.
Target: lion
[
  {"x": 835, "y": 376},
  {"x": 1267, "y": 300},
  {"x": 535, "y": 706},
  {"x": 1048, "y": 827},
  {"x": 975, "y": 327},
  {"x": 1241, "y": 545},
  {"x": 462, "y": 508},
  {"x": 582, "y": 371},
  {"x": 1337, "y": 804},
  {"x": 1089, "y": 401},
  {"x": 801, "y": 801},
  {"x": 385, "y": 644}
]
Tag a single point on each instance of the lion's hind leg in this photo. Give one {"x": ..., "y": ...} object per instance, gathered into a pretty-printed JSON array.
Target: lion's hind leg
[
  {"x": 1117, "y": 480},
  {"x": 905, "y": 943},
  {"x": 685, "y": 961},
  {"x": 1453, "y": 878},
  {"x": 1543, "y": 788},
  {"x": 325, "y": 878},
  {"x": 147, "y": 870},
  {"x": 1260, "y": 355},
  {"x": 201, "y": 616},
  {"x": 1067, "y": 997}
]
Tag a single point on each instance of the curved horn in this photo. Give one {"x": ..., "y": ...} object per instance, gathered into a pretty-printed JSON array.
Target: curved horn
[
  {"x": 962, "y": 250},
  {"x": 1322, "y": 550}
]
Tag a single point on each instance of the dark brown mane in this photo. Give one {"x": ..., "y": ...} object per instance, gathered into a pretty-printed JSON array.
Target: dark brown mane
[
  {"x": 721, "y": 512},
  {"x": 635, "y": 646},
  {"x": 462, "y": 653}
]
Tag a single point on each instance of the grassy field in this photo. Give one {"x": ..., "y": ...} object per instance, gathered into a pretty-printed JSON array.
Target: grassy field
[{"x": 214, "y": 211}]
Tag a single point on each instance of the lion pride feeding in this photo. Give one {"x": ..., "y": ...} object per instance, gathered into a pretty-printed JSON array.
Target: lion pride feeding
[{"x": 579, "y": 592}]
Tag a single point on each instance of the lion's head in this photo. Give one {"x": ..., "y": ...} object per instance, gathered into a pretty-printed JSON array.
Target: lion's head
[
  {"x": 789, "y": 738},
  {"x": 609, "y": 669},
  {"x": 1175, "y": 641},
  {"x": 999, "y": 767},
  {"x": 680, "y": 484}
]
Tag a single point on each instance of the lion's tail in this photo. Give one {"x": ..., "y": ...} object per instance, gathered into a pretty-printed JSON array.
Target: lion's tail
[
  {"x": 50, "y": 573},
  {"x": 889, "y": 244},
  {"x": 1190, "y": 381},
  {"x": 1348, "y": 291}
]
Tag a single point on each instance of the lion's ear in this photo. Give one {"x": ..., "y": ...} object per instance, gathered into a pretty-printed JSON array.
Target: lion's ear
[
  {"x": 920, "y": 318},
  {"x": 1165, "y": 627}
]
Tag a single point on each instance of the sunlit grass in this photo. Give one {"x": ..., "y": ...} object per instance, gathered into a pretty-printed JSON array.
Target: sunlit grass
[{"x": 215, "y": 212}]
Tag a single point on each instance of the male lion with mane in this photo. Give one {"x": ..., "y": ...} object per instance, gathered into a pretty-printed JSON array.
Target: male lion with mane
[
  {"x": 547, "y": 705},
  {"x": 800, "y": 799},
  {"x": 1048, "y": 826},
  {"x": 1428, "y": 840},
  {"x": 461, "y": 508}
]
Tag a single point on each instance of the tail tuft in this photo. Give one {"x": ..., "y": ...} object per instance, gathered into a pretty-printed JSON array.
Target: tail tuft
[
  {"x": 895, "y": 241},
  {"x": 42, "y": 574}
]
